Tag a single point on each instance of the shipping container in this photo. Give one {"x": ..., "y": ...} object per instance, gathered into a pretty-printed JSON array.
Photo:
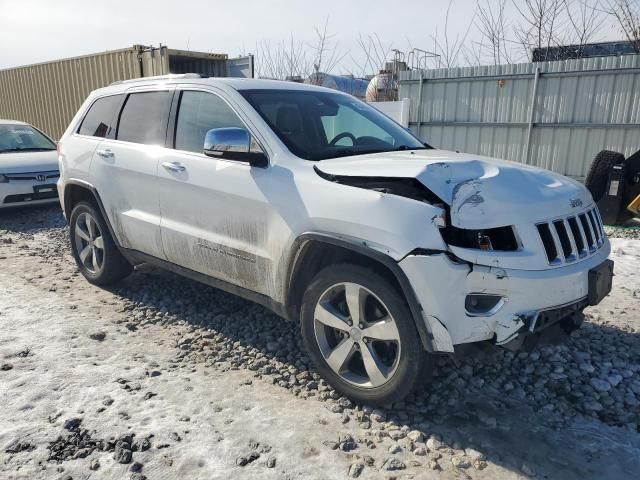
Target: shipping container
[{"x": 49, "y": 94}]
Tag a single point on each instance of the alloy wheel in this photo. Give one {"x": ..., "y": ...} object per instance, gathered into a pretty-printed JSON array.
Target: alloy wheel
[
  {"x": 357, "y": 335},
  {"x": 89, "y": 243}
]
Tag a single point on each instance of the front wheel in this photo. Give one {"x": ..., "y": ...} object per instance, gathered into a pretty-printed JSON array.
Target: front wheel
[
  {"x": 95, "y": 252},
  {"x": 360, "y": 334}
]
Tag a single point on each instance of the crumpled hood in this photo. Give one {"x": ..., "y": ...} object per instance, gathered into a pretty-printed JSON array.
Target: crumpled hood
[
  {"x": 28, "y": 162},
  {"x": 482, "y": 192}
]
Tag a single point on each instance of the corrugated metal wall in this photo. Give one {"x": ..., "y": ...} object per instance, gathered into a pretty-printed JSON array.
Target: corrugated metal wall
[
  {"x": 555, "y": 115},
  {"x": 48, "y": 95},
  {"x": 209, "y": 64}
]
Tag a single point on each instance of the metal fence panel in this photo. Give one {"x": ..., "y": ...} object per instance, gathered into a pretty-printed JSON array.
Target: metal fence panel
[{"x": 555, "y": 115}]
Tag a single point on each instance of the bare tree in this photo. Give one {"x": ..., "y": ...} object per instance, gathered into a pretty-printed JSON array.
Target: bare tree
[
  {"x": 286, "y": 59},
  {"x": 449, "y": 49},
  {"x": 491, "y": 24},
  {"x": 326, "y": 53},
  {"x": 627, "y": 15},
  {"x": 585, "y": 20},
  {"x": 540, "y": 23},
  {"x": 373, "y": 53},
  {"x": 294, "y": 59}
]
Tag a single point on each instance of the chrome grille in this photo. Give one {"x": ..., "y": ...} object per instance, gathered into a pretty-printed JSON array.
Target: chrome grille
[{"x": 572, "y": 238}]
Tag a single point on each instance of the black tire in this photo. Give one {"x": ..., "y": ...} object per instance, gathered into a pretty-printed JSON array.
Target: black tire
[
  {"x": 598, "y": 175},
  {"x": 114, "y": 266},
  {"x": 411, "y": 359}
]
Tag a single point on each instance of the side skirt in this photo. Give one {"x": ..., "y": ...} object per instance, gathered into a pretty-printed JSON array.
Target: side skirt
[{"x": 135, "y": 258}]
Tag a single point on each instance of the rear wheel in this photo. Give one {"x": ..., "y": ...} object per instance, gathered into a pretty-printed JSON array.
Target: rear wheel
[
  {"x": 95, "y": 252},
  {"x": 360, "y": 335}
]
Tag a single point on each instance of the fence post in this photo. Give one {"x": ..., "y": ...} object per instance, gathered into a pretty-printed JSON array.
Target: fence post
[
  {"x": 419, "y": 112},
  {"x": 532, "y": 113}
]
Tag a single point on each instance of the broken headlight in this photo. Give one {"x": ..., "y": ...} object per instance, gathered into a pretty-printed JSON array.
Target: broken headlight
[{"x": 501, "y": 238}]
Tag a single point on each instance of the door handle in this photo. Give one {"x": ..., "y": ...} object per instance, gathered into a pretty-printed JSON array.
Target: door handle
[
  {"x": 174, "y": 166},
  {"x": 106, "y": 153}
]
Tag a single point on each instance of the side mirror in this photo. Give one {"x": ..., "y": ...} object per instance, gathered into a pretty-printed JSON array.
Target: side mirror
[{"x": 234, "y": 144}]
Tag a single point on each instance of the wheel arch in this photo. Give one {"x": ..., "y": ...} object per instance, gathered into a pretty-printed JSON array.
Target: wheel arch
[
  {"x": 313, "y": 251},
  {"x": 77, "y": 191}
]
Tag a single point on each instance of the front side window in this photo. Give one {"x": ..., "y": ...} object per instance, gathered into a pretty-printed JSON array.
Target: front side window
[
  {"x": 200, "y": 112},
  {"x": 144, "y": 118},
  {"x": 23, "y": 138},
  {"x": 317, "y": 125},
  {"x": 98, "y": 120}
]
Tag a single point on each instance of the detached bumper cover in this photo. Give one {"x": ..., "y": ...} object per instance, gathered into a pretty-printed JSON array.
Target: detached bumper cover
[{"x": 441, "y": 286}]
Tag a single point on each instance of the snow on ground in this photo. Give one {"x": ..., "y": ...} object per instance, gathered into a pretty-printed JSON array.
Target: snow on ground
[{"x": 164, "y": 378}]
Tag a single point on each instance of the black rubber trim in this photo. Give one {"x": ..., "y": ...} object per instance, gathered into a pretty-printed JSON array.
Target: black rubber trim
[
  {"x": 170, "y": 139},
  {"x": 426, "y": 336},
  {"x": 137, "y": 257}
]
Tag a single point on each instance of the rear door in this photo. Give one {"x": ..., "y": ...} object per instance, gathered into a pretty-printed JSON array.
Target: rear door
[
  {"x": 125, "y": 170},
  {"x": 97, "y": 124}
]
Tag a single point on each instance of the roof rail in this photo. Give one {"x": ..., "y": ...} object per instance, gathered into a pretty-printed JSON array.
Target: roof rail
[{"x": 170, "y": 76}]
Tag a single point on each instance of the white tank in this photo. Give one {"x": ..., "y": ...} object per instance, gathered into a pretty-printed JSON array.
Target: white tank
[{"x": 383, "y": 87}]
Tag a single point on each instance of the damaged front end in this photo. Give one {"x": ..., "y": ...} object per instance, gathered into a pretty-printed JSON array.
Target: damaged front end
[{"x": 498, "y": 278}]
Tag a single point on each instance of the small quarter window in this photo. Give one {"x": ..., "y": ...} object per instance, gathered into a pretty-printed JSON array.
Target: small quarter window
[
  {"x": 98, "y": 120},
  {"x": 200, "y": 112},
  {"x": 144, "y": 118}
]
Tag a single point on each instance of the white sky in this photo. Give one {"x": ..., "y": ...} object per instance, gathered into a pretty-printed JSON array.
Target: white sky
[{"x": 36, "y": 31}]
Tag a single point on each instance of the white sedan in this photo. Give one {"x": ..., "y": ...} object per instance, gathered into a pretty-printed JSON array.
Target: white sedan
[{"x": 28, "y": 165}]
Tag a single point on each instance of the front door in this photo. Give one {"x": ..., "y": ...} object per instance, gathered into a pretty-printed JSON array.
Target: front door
[{"x": 215, "y": 216}]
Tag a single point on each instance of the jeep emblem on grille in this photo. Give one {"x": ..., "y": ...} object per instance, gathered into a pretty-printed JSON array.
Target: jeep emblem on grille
[
  {"x": 41, "y": 178},
  {"x": 575, "y": 202}
]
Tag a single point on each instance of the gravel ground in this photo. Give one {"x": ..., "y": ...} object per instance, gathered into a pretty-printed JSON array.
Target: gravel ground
[
  {"x": 161, "y": 377},
  {"x": 631, "y": 232}
]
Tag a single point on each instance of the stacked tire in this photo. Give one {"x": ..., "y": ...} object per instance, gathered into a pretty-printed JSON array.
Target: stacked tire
[{"x": 598, "y": 178}]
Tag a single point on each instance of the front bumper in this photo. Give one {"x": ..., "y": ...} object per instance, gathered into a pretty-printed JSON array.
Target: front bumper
[
  {"x": 442, "y": 285},
  {"x": 17, "y": 193}
]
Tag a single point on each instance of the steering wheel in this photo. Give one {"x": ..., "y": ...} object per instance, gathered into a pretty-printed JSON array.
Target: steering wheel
[{"x": 340, "y": 136}]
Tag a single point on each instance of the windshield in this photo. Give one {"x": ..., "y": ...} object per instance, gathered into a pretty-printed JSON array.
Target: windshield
[
  {"x": 317, "y": 125},
  {"x": 19, "y": 138}
]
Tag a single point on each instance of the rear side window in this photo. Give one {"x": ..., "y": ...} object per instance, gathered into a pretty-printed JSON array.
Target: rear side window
[
  {"x": 144, "y": 118},
  {"x": 98, "y": 120},
  {"x": 200, "y": 112}
]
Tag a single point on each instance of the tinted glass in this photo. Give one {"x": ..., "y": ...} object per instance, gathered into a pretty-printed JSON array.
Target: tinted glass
[
  {"x": 200, "y": 112},
  {"x": 316, "y": 125},
  {"x": 17, "y": 138},
  {"x": 99, "y": 118},
  {"x": 144, "y": 118}
]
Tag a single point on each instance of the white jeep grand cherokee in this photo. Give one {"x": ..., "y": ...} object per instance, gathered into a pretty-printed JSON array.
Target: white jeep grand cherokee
[{"x": 319, "y": 207}]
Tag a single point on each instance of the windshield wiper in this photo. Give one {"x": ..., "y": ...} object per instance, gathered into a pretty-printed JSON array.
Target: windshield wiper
[
  {"x": 350, "y": 153},
  {"x": 406, "y": 147}
]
